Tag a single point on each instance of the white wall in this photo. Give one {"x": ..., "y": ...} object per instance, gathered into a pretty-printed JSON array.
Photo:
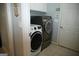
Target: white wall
[
  {"x": 17, "y": 32},
  {"x": 51, "y": 10},
  {"x": 21, "y": 29}
]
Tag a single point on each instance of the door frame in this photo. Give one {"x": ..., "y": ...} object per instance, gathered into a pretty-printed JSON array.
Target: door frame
[{"x": 9, "y": 28}]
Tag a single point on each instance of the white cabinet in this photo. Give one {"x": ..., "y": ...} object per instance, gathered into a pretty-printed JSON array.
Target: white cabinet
[{"x": 42, "y": 7}]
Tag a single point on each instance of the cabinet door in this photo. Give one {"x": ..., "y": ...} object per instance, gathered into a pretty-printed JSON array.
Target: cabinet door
[{"x": 38, "y": 7}]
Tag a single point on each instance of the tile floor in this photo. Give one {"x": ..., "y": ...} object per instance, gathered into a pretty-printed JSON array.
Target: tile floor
[{"x": 54, "y": 50}]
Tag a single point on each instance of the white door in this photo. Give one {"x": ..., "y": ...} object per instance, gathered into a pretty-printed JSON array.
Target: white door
[{"x": 69, "y": 26}]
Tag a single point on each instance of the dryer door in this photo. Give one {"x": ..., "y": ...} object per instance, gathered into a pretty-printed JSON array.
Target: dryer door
[
  {"x": 48, "y": 26},
  {"x": 36, "y": 41}
]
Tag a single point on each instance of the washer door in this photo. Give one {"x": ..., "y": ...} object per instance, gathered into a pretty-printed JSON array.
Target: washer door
[
  {"x": 36, "y": 41},
  {"x": 48, "y": 26}
]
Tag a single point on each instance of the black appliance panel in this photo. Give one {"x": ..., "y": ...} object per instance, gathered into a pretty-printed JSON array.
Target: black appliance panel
[{"x": 36, "y": 20}]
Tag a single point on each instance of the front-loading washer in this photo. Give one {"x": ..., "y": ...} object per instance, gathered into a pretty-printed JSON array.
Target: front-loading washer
[
  {"x": 36, "y": 39},
  {"x": 47, "y": 28}
]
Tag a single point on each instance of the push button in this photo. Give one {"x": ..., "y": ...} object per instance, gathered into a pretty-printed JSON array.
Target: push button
[
  {"x": 39, "y": 27},
  {"x": 34, "y": 28}
]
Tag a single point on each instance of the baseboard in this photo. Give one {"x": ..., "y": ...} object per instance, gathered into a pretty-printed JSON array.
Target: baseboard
[
  {"x": 69, "y": 48},
  {"x": 54, "y": 43},
  {"x": 64, "y": 46}
]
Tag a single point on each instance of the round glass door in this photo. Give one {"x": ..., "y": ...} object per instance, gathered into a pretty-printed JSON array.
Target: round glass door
[
  {"x": 48, "y": 26},
  {"x": 36, "y": 40}
]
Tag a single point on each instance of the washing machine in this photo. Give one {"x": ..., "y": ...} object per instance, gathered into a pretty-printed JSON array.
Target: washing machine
[
  {"x": 36, "y": 39},
  {"x": 46, "y": 23}
]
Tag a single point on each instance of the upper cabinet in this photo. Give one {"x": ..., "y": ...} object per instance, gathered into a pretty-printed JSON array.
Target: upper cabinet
[{"x": 42, "y": 7}]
